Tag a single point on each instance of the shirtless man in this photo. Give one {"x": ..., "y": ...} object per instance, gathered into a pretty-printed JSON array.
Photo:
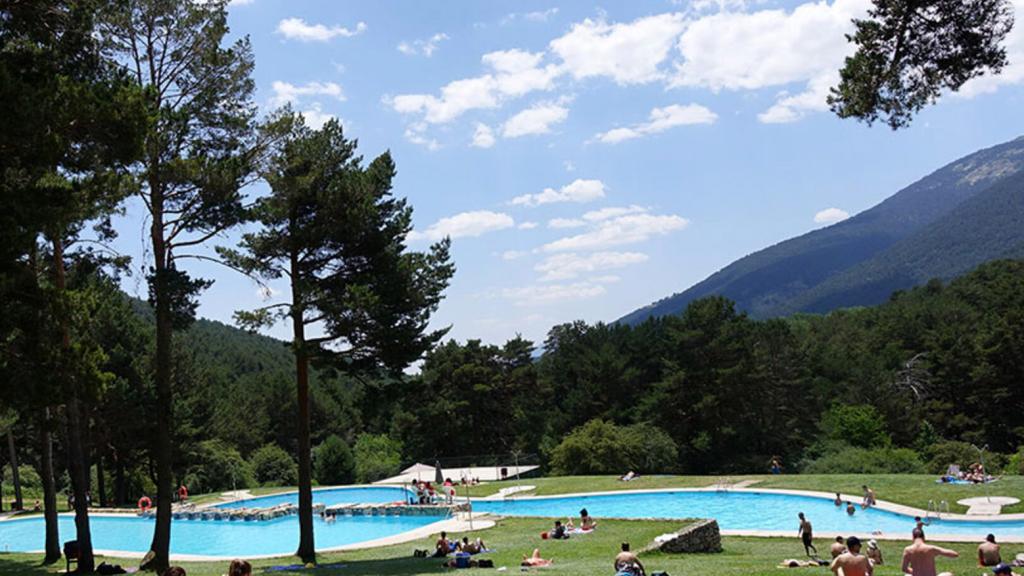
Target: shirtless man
[
  {"x": 988, "y": 552},
  {"x": 806, "y": 534},
  {"x": 850, "y": 509},
  {"x": 839, "y": 500},
  {"x": 627, "y": 562},
  {"x": 837, "y": 547},
  {"x": 869, "y": 496},
  {"x": 851, "y": 562},
  {"x": 919, "y": 557}
]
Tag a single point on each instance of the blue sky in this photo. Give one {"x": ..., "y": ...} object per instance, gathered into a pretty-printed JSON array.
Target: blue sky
[{"x": 588, "y": 159}]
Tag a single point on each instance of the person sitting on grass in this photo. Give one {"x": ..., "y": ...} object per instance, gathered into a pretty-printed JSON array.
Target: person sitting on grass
[
  {"x": 1003, "y": 570},
  {"x": 851, "y": 562},
  {"x": 587, "y": 522},
  {"x": 628, "y": 476},
  {"x": 239, "y": 568},
  {"x": 838, "y": 547},
  {"x": 988, "y": 552},
  {"x": 559, "y": 532},
  {"x": 535, "y": 561},
  {"x": 174, "y": 571},
  {"x": 874, "y": 553},
  {"x": 475, "y": 547},
  {"x": 443, "y": 546},
  {"x": 627, "y": 563}
]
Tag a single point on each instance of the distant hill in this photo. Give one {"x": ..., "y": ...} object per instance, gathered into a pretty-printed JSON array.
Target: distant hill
[{"x": 965, "y": 213}]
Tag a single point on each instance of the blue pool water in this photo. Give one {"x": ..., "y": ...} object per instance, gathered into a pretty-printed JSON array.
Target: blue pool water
[
  {"x": 212, "y": 537},
  {"x": 330, "y": 497},
  {"x": 230, "y": 538},
  {"x": 733, "y": 510},
  {"x": 740, "y": 511}
]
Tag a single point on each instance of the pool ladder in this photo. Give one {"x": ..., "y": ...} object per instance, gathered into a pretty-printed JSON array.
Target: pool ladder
[{"x": 937, "y": 510}]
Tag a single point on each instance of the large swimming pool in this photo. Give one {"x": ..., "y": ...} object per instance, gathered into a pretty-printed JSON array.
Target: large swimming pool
[
  {"x": 740, "y": 511},
  {"x": 747, "y": 510},
  {"x": 229, "y": 537}
]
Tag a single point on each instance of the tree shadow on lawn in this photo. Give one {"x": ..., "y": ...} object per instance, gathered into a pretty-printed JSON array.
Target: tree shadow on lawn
[{"x": 21, "y": 565}]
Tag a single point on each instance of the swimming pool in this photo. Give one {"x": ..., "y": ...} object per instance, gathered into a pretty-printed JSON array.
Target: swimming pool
[
  {"x": 227, "y": 537},
  {"x": 212, "y": 537},
  {"x": 748, "y": 510},
  {"x": 327, "y": 496}
]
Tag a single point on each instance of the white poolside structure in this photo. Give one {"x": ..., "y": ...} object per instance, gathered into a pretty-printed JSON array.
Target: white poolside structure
[{"x": 482, "y": 473}]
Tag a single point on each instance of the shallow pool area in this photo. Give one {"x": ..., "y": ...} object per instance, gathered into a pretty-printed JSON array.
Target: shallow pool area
[
  {"x": 746, "y": 510},
  {"x": 327, "y": 497}
]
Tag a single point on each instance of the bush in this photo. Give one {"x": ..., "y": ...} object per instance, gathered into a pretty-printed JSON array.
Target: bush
[
  {"x": 274, "y": 467},
  {"x": 868, "y": 461},
  {"x": 601, "y": 447},
  {"x": 27, "y": 475},
  {"x": 333, "y": 463},
  {"x": 377, "y": 456},
  {"x": 858, "y": 425},
  {"x": 963, "y": 454},
  {"x": 218, "y": 466}
]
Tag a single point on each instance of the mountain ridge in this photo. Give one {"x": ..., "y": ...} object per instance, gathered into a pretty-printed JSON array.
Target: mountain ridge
[{"x": 774, "y": 281}]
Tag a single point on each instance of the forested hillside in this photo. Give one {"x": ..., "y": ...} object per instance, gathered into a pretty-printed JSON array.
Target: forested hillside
[{"x": 826, "y": 268}]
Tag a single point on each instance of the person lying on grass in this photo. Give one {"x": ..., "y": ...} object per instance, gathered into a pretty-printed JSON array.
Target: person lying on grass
[{"x": 535, "y": 560}]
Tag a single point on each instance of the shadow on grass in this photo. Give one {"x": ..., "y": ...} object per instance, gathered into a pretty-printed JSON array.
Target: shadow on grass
[{"x": 20, "y": 564}]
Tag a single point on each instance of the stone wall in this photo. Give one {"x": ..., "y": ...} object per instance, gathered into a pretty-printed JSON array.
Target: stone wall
[{"x": 701, "y": 536}]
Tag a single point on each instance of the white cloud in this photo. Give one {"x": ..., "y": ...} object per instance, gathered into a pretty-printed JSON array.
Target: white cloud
[
  {"x": 536, "y": 119},
  {"x": 542, "y": 294},
  {"x": 571, "y": 265},
  {"x": 628, "y": 53},
  {"x": 483, "y": 136},
  {"x": 561, "y": 223},
  {"x": 831, "y": 216},
  {"x": 659, "y": 120},
  {"x": 513, "y": 254},
  {"x": 415, "y": 133},
  {"x": 315, "y": 116},
  {"x": 753, "y": 50},
  {"x": 612, "y": 212},
  {"x": 1013, "y": 73},
  {"x": 536, "y": 16},
  {"x": 628, "y": 229},
  {"x": 540, "y": 15},
  {"x": 578, "y": 191},
  {"x": 527, "y": 225},
  {"x": 513, "y": 74},
  {"x": 298, "y": 29},
  {"x": 286, "y": 92},
  {"x": 465, "y": 224},
  {"x": 240, "y": 2},
  {"x": 422, "y": 47}
]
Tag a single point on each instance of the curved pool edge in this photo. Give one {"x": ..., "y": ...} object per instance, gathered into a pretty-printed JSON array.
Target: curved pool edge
[
  {"x": 880, "y": 504},
  {"x": 481, "y": 521}
]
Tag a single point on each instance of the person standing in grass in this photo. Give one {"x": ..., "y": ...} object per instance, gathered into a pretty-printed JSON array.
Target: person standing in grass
[
  {"x": 806, "y": 534},
  {"x": 919, "y": 557},
  {"x": 988, "y": 552},
  {"x": 851, "y": 562}
]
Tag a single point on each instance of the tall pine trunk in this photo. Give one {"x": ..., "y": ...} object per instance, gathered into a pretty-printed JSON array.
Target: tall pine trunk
[
  {"x": 49, "y": 488},
  {"x": 101, "y": 482},
  {"x": 161, "y": 545},
  {"x": 120, "y": 490},
  {"x": 15, "y": 476},
  {"x": 307, "y": 547},
  {"x": 79, "y": 468}
]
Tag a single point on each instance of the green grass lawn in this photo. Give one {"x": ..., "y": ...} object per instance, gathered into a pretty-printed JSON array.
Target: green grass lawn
[
  {"x": 580, "y": 556},
  {"x": 908, "y": 489}
]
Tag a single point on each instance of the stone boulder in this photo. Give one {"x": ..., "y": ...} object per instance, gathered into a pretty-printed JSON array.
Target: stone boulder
[{"x": 701, "y": 536}]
